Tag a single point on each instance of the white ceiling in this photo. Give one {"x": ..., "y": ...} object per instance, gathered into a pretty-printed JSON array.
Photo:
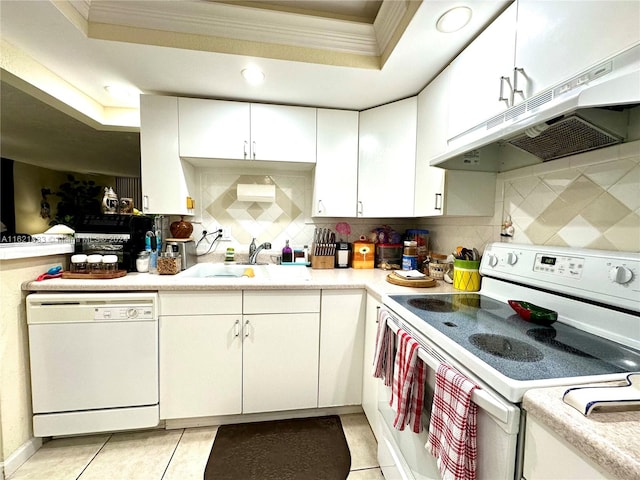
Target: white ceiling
[{"x": 66, "y": 53}]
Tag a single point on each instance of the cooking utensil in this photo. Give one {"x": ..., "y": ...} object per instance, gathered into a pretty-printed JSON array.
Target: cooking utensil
[{"x": 53, "y": 272}]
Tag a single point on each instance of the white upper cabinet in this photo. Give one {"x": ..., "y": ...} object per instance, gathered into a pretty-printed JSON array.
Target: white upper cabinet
[
  {"x": 480, "y": 84},
  {"x": 335, "y": 191},
  {"x": 387, "y": 158},
  {"x": 214, "y": 128},
  {"x": 243, "y": 131},
  {"x": 283, "y": 133},
  {"x": 532, "y": 46},
  {"x": 557, "y": 40},
  {"x": 167, "y": 181}
]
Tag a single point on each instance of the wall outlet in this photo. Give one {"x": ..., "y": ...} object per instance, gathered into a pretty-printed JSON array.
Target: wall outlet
[{"x": 226, "y": 233}]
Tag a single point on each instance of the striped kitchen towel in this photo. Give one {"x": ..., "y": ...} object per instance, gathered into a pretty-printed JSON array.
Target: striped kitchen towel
[
  {"x": 410, "y": 375},
  {"x": 383, "y": 356},
  {"x": 453, "y": 427}
]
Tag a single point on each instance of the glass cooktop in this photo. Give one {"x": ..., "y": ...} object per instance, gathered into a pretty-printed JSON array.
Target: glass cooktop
[{"x": 518, "y": 349}]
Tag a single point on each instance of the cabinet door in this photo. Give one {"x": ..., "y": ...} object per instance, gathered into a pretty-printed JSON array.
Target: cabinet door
[
  {"x": 341, "y": 347},
  {"x": 166, "y": 179},
  {"x": 547, "y": 457},
  {"x": 280, "y": 362},
  {"x": 335, "y": 190},
  {"x": 213, "y": 128},
  {"x": 387, "y": 160},
  {"x": 283, "y": 133},
  {"x": 200, "y": 366},
  {"x": 433, "y": 114},
  {"x": 557, "y": 40},
  {"x": 369, "y": 382},
  {"x": 476, "y": 75}
]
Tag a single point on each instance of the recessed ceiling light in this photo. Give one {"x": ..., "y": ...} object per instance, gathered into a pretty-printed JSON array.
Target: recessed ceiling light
[
  {"x": 454, "y": 19},
  {"x": 253, "y": 75}
]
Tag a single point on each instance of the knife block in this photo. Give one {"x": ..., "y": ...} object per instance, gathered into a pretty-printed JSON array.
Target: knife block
[{"x": 322, "y": 261}]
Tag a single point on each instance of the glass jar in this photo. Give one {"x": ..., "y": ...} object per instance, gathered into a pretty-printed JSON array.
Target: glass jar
[
  {"x": 94, "y": 263},
  {"x": 79, "y": 263},
  {"x": 169, "y": 263},
  {"x": 142, "y": 262},
  {"x": 110, "y": 263}
]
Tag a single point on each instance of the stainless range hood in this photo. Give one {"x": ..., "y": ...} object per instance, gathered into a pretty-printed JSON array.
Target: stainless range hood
[{"x": 598, "y": 108}]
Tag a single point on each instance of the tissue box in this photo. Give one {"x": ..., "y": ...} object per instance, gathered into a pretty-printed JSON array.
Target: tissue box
[{"x": 363, "y": 255}]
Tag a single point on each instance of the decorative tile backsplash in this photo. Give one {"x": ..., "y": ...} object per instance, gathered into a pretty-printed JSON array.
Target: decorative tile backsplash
[
  {"x": 590, "y": 201},
  {"x": 583, "y": 205}
]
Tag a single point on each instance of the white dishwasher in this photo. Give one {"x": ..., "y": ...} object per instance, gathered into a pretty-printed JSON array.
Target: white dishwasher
[{"x": 94, "y": 362}]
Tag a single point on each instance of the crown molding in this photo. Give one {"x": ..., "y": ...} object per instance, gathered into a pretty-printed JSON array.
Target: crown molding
[{"x": 243, "y": 23}]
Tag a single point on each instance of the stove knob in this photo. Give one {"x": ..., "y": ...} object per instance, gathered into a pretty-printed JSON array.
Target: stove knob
[
  {"x": 492, "y": 260},
  {"x": 512, "y": 258},
  {"x": 620, "y": 274}
]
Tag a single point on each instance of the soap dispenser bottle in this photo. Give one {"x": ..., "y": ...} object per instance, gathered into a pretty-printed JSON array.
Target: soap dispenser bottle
[
  {"x": 287, "y": 253},
  {"x": 252, "y": 247}
]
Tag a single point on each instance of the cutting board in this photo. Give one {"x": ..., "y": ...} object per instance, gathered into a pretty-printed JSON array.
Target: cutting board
[
  {"x": 94, "y": 275},
  {"x": 403, "y": 282}
]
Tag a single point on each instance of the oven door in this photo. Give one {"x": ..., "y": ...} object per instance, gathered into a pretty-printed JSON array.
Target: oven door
[{"x": 402, "y": 454}]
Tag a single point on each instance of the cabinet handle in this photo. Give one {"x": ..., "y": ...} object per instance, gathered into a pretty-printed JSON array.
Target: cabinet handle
[
  {"x": 246, "y": 144},
  {"x": 253, "y": 149},
  {"x": 377, "y": 313},
  {"x": 145, "y": 203},
  {"x": 502, "y": 98},
  {"x": 517, "y": 71},
  {"x": 246, "y": 328},
  {"x": 319, "y": 206},
  {"x": 236, "y": 328},
  {"x": 360, "y": 207},
  {"x": 438, "y": 197}
]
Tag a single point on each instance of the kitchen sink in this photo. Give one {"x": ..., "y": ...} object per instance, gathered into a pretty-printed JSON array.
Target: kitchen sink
[{"x": 259, "y": 272}]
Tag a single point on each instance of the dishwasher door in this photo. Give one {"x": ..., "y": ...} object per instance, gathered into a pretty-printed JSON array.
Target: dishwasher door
[{"x": 94, "y": 362}]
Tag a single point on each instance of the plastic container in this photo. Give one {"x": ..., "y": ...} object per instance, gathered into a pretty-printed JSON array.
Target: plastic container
[
  {"x": 169, "y": 264},
  {"x": 388, "y": 253},
  {"x": 94, "y": 263},
  {"x": 142, "y": 262},
  {"x": 79, "y": 263},
  {"x": 421, "y": 237},
  {"x": 466, "y": 275},
  {"x": 110, "y": 263}
]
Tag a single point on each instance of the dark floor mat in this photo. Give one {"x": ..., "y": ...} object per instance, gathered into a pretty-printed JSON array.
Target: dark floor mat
[{"x": 296, "y": 449}]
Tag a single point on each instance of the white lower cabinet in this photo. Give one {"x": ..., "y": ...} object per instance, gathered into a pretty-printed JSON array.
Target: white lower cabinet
[
  {"x": 341, "y": 344},
  {"x": 280, "y": 362},
  {"x": 548, "y": 457},
  {"x": 369, "y": 383},
  {"x": 216, "y": 361}
]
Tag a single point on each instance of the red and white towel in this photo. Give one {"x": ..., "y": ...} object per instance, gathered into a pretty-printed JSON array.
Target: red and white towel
[
  {"x": 383, "y": 357},
  {"x": 453, "y": 427},
  {"x": 410, "y": 375}
]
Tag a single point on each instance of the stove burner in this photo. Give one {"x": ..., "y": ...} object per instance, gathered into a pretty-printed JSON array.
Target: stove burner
[
  {"x": 431, "y": 304},
  {"x": 547, "y": 336},
  {"x": 506, "y": 347}
]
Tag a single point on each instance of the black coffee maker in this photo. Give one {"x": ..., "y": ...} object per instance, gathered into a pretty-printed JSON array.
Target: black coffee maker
[{"x": 121, "y": 235}]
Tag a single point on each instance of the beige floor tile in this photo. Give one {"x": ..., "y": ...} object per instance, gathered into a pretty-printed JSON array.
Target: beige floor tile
[
  {"x": 61, "y": 459},
  {"x": 191, "y": 456},
  {"x": 368, "y": 474},
  {"x": 134, "y": 456},
  {"x": 362, "y": 443}
]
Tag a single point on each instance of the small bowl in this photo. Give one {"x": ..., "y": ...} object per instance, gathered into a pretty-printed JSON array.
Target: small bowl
[{"x": 533, "y": 313}]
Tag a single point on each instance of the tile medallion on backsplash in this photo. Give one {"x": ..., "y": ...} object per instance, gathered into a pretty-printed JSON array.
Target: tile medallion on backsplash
[{"x": 262, "y": 220}]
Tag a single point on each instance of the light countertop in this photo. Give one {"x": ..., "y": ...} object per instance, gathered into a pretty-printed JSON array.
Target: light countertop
[
  {"x": 609, "y": 438},
  {"x": 373, "y": 280}
]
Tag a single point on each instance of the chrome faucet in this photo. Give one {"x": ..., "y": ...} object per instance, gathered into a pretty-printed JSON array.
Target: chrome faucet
[{"x": 253, "y": 256}]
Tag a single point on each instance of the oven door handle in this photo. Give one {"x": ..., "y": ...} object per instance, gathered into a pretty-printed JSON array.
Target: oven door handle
[{"x": 500, "y": 410}]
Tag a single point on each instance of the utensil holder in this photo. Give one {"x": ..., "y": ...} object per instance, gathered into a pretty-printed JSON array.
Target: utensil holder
[{"x": 466, "y": 275}]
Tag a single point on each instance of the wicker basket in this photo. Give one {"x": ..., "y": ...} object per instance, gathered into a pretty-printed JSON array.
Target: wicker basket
[{"x": 437, "y": 270}]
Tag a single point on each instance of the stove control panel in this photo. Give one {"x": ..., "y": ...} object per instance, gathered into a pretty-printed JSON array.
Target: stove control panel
[
  {"x": 604, "y": 276},
  {"x": 562, "y": 265}
]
